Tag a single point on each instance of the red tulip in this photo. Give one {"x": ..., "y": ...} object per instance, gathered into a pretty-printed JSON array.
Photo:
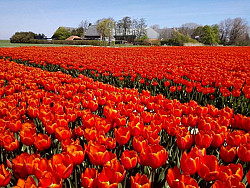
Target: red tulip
[
  {"x": 119, "y": 170},
  {"x": 89, "y": 178},
  {"x": 189, "y": 163},
  {"x": 244, "y": 152},
  {"x": 208, "y": 167},
  {"x": 218, "y": 139},
  {"x": 203, "y": 139},
  {"x": 228, "y": 153},
  {"x": 110, "y": 143},
  {"x": 185, "y": 140},
  {"x": 10, "y": 143},
  {"x": 98, "y": 154},
  {"x": 122, "y": 135},
  {"x": 172, "y": 89},
  {"x": 139, "y": 143},
  {"x": 15, "y": 126},
  {"x": 40, "y": 168},
  {"x": 135, "y": 127},
  {"x": 27, "y": 136},
  {"x": 42, "y": 142},
  {"x": 140, "y": 181},
  {"x": 62, "y": 133},
  {"x": 154, "y": 156},
  {"x": 234, "y": 182},
  {"x": 62, "y": 165},
  {"x": 50, "y": 179},
  {"x": 175, "y": 179},
  {"x": 76, "y": 153},
  {"x": 129, "y": 159},
  {"x": 5, "y": 176},
  {"x": 234, "y": 138},
  {"x": 106, "y": 178},
  {"x": 30, "y": 182}
]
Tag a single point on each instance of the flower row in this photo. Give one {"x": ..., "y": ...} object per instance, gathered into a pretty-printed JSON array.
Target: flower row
[
  {"x": 209, "y": 75},
  {"x": 56, "y": 129}
]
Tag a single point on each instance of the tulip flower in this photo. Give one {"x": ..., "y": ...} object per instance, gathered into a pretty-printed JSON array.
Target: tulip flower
[
  {"x": 27, "y": 136},
  {"x": 129, "y": 159},
  {"x": 228, "y": 153},
  {"x": 42, "y": 142},
  {"x": 76, "y": 153},
  {"x": 203, "y": 139},
  {"x": 89, "y": 178},
  {"x": 5, "y": 176},
  {"x": 139, "y": 143},
  {"x": 154, "y": 156},
  {"x": 50, "y": 179},
  {"x": 244, "y": 152},
  {"x": 189, "y": 163},
  {"x": 62, "y": 133},
  {"x": 140, "y": 181},
  {"x": 208, "y": 167},
  {"x": 30, "y": 182},
  {"x": 234, "y": 138},
  {"x": 10, "y": 143},
  {"x": 175, "y": 179},
  {"x": 62, "y": 165},
  {"x": 106, "y": 178},
  {"x": 98, "y": 154},
  {"x": 122, "y": 135}
]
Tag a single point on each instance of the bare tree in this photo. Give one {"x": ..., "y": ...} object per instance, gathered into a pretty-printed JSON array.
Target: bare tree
[
  {"x": 233, "y": 31},
  {"x": 187, "y": 29},
  {"x": 140, "y": 27},
  {"x": 84, "y": 24},
  {"x": 155, "y": 26},
  {"x": 166, "y": 33},
  {"x": 125, "y": 24}
]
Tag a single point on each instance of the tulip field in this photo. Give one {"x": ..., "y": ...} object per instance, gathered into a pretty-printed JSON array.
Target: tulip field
[{"x": 125, "y": 117}]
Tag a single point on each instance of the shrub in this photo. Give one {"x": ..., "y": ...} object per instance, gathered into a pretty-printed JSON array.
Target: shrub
[{"x": 22, "y": 37}]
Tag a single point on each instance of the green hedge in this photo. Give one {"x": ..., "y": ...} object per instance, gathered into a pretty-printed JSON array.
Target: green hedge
[{"x": 71, "y": 42}]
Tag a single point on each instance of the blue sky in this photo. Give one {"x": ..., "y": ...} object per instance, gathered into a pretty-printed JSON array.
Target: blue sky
[{"x": 45, "y": 16}]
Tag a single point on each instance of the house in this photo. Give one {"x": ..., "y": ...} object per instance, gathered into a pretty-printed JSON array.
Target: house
[
  {"x": 120, "y": 35},
  {"x": 92, "y": 34},
  {"x": 73, "y": 38},
  {"x": 152, "y": 34},
  {"x": 166, "y": 33}
]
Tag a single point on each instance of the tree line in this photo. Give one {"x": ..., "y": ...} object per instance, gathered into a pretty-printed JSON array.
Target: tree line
[{"x": 227, "y": 32}]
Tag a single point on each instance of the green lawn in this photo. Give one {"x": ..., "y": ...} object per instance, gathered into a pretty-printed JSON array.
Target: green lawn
[{"x": 6, "y": 43}]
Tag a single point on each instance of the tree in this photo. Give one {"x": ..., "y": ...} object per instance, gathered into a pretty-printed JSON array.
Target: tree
[
  {"x": 61, "y": 34},
  {"x": 78, "y": 32},
  {"x": 22, "y": 37},
  {"x": 233, "y": 31},
  {"x": 84, "y": 24},
  {"x": 105, "y": 27},
  {"x": 207, "y": 34},
  {"x": 188, "y": 29},
  {"x": 167, "y": 33},
  {"x": 125, "y": 23},
  {"x": 155, "y": 26},
  {"x": 140, "y": 28}
]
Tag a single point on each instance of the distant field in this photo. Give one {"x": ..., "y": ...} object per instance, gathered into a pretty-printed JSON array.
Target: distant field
[{"x": 6, "y": 43}]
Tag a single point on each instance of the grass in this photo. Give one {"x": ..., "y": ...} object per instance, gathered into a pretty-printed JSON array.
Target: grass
[{"x": 6, "y": 43}]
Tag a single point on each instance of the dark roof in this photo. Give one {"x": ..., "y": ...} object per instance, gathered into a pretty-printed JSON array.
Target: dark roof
[{"x": 92, "y": 31}]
